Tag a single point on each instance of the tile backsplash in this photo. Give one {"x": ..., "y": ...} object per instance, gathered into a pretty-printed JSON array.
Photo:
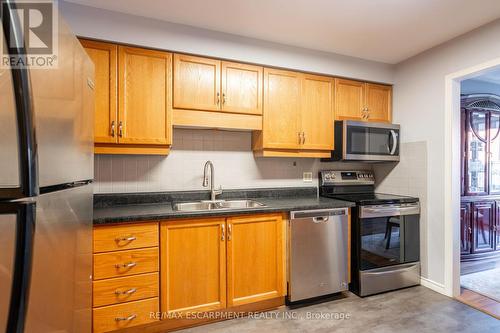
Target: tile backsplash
[{"x": 231, "y": 154}]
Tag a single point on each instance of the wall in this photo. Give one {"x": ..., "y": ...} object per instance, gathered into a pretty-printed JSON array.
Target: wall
[
  {"x": 472, "y": 86},
  {"x": 102, "y": 24},
  {"x": 419, "y": 104},
  {"x": 235, "y": 166},
  {"x": 230, "y": 151}
]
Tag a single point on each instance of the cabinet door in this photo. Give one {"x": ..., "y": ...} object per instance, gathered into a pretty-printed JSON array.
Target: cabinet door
[
  {"x": 378, "y": 101},
  {"x": 241, "y": 88},
  {"x": 497, "y": 226},
  {"x": 255, "y": 258},
  {"x": 144, "y": 94},
  {"x": 193, "y": 265},
  {"x": 494, "y": 153},
  {"x": 317, "y": 112},
  {"x": 282, "y": 109},
  {"x": 476, "y": 175},
  {"x": 465, "y": 228},
  {"x": 483, "y": 223},
  {"x": 196, "y": 83},
  {"x": 349, "y": 101},
  {"x": 104, "y": 57}
]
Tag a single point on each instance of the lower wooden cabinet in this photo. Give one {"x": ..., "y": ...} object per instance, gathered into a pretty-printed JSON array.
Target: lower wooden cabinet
[
  {"x": 115, "y": 317},
  {"x": 255, "y": 259},
  {"x": 193, "y": 265},
  {"x": 199, "y": 274}
]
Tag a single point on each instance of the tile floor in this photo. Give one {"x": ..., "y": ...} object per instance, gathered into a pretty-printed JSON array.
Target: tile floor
[{"x": 415, "y": 309}]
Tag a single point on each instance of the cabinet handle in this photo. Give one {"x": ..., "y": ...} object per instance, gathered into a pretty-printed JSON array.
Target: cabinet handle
[
  {"x": 470, "y": 231},
  {"x": 113, "y": 128},
  {"x": 126, "y": 292},
  {"x": 303, "y": 138},
  {"x": 126, "y": 265},
  {"x": 125, "y": 239},
  {"x": 129, "y": 318},
  {"x": 120, "y": 129},
  {"x": 300, "y": 137},
  {"x": 223, "y": 236},
  {"x": 218, "y": 98},
  {"x": 223, "y": 98},
  {"x": 229, "y": 231}
]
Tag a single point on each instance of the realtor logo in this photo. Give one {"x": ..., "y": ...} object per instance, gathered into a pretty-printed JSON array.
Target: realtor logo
[{"x": 31, "y": 35}]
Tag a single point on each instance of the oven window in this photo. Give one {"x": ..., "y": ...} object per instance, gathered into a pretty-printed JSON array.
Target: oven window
[{"x": 380, "y": 242}]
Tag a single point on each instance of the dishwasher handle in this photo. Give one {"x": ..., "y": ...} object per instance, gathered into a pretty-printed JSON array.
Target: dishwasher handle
[{"x": 319, "y": 215}]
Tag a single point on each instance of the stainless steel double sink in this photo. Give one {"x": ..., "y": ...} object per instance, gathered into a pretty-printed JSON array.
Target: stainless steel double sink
[{"x": 217, "y": 205}]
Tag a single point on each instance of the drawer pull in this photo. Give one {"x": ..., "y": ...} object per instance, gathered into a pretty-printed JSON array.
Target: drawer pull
[
  {"x": 126, "y": 292},
  {"x": 126, "y": 265},
  {"x": 129, "y": 318},
  {"x": 125, "y": 239}
]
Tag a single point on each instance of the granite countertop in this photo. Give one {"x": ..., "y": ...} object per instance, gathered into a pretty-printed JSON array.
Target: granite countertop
[{"x": 122, "y": 208}]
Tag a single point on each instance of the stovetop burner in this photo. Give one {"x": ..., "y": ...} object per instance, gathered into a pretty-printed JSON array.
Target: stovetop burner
[
  {"x": 358, "y": 187},
  {"x": 372, "y": 198}
]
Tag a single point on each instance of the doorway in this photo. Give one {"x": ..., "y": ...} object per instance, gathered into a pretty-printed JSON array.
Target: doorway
[{"x": 473, "y": 183}]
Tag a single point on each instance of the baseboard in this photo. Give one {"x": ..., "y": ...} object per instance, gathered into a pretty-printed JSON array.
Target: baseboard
[{"x": 437, "y": 287}]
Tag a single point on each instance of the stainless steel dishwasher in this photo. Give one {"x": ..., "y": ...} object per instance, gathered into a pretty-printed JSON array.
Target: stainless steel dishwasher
[{"x": 318, "y": 253}]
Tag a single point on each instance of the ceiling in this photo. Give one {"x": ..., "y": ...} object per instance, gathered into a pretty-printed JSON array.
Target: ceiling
[{"x": 388, "y": 31}]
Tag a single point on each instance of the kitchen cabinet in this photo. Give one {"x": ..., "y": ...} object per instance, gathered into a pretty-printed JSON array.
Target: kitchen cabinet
[
  {"x": 197, "y": 274},
  {"x": 361, "y": 101},
  {"x": 255, "y": 258},
  {"x": 230, "y": 92},
  {"x": 193, "y": 265},
  {"x": 317, "y": 112},
  {"x": 298, "y": 115},
  {"x": 144, "y": 96},
  {"x": 105, "y": 58},
  {"x": 133, "y": 99},
  {"x": 125, "y": 275}
]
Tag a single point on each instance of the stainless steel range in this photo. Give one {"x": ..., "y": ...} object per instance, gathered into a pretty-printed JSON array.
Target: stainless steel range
[{"x": 385, "y": 241}]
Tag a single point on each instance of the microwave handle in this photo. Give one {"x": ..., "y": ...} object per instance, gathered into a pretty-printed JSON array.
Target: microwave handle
[{"x": 394, "y": 142}]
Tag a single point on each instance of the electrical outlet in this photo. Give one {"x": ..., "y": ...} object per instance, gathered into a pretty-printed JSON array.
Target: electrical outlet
[{"x": 307, "y": 177}]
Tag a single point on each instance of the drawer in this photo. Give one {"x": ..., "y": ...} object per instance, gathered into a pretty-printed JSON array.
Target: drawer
[
  {"x": 125, "y": 237},
  {"x": 115, "y": 317},
  {"x": 123, "y": 263},
  {"x": 125, "y": 289}
]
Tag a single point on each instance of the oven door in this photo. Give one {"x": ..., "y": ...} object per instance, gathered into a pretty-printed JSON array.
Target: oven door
[
  {"x": 370, "y": 141},
  {"x": 388, "y": 235}
]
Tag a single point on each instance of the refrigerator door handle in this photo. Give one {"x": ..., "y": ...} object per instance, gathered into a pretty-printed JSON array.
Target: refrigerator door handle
[
  {"x": 25, "y": 118},
  {"x": 23, "y": 262}
]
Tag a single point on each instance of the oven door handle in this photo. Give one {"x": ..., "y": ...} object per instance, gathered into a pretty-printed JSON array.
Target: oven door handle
[
  {"x": 394, "y": 136},
  {"x": 367, "y": 212}
]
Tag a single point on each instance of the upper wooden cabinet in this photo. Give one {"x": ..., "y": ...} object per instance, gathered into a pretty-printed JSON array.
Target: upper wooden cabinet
[
  {"x": 378, "y": 101},
  {"x": 133, "y": 94},
  {"x": 281, "y": 123},
  {"x": 105, "y": 59},
  {"x": 241, "y": 88},
  {"x": 196, "y": 83},
  {"x": 355, "y": 100},
  {"x": 231, "y": 92},
  {"x": 298, "y": 115},
  {"x": 317, "y": 112},
  {"x": 144, "y": 96}
]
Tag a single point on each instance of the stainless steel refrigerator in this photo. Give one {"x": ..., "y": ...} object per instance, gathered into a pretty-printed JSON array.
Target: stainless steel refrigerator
[{"x": 46, "y": 171}]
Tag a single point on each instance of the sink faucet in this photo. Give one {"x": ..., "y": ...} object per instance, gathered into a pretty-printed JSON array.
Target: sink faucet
[{"x": 213, "y": 193}]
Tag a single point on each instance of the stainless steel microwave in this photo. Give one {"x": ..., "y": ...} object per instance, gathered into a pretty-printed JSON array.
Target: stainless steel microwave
[{"x": 364, "y": 141}]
